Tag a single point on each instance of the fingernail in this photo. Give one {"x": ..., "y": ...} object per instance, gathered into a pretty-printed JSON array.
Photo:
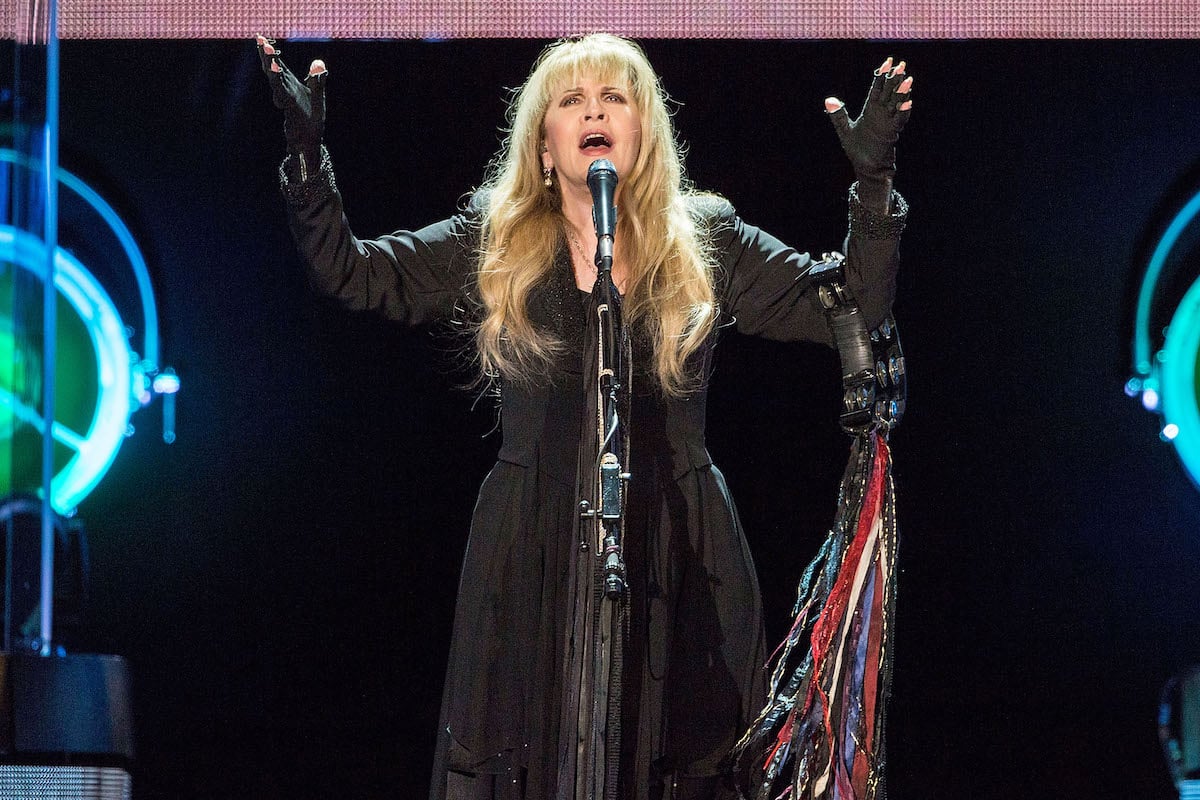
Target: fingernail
[
  {"x": 885, "y": 66},
  {"x": 899, "y": 68},
  {"x": 275, "y": 67},
  {"x": 905, "y": 85}
]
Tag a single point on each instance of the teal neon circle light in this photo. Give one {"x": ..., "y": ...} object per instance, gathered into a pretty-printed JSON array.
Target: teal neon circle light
[
  {"x": 1179, "y": 373},
  {"x": 114, "y": 382},
  {"x": 137, "y": 262},
  {"x": 94, "y": 447},
  {"x": 1169, "y": 380}
]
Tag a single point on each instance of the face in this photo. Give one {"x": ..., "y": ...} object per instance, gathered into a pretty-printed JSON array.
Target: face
[{"x": 587, "y": 120}]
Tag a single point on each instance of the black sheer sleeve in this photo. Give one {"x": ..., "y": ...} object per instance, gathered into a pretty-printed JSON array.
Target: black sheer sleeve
[
  {"x": 759, "y": 285},
  {"x": 411, "y": 277}
]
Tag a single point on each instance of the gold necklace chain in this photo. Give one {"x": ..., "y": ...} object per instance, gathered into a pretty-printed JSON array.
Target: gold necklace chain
[
  {"x": 574, "y": 237},
  {"x": 591, "y": 265}
]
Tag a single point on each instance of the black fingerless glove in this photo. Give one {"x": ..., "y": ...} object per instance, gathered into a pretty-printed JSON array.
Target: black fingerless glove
[
  {"x": 870, "y": 140},
  {"x": 303, "y": 105}
]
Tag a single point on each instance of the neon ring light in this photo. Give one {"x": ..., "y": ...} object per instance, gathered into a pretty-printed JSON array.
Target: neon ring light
[
  {"x": 1169, "y": 380},
  {"x": 108, "y": 381}
]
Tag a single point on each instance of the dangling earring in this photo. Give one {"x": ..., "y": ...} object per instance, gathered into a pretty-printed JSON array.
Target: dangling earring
[{"x": 547, "y": 171}]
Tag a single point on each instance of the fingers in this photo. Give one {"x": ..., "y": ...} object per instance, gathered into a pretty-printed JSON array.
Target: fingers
[
  {"x": 317, "y": 75},
  {"x": 891, "y": 81},
  {"x": 274, "y": 68},
  {"x": 904, "y": 103},
  {"x": 878, "y": 83},
  {"x": 839, "y": 118},
  {"x": 267, "y": 54},
  {"x": 905, "y": 88},
  {"x": 315, "y": 80},
  {"x": 890, "y": 94},
  {"x": 887, "y": 80}
]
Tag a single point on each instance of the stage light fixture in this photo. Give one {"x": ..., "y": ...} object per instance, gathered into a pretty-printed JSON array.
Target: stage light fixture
[
  {"x": 1167, "y": 379},
  {"x": 102, "y": 380},
  {"x": 93, "y": 445}
]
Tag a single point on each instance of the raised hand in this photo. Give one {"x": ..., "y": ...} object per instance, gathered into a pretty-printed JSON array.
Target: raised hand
[
  {"x": 303, "y": 104},
  {"x": 870, "y": 140}
]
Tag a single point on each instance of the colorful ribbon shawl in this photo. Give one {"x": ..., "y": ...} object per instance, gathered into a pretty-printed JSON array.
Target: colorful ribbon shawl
[{"x": 821, "y": 734}]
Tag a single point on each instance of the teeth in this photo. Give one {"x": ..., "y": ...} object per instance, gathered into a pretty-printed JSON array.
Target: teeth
[{"x": 595, "y": 140}]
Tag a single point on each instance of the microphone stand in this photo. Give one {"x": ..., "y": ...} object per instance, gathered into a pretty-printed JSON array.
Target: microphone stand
[
  {"x": 609, "y": 472},
  {"x": 609, "y": 573}
]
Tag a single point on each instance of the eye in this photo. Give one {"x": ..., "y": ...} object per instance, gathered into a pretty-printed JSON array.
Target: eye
[
  {"x": 569, "y": 100},
  {"x": 614, "y": 97}
]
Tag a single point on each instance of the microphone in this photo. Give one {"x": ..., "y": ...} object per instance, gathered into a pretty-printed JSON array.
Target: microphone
[{"x": 602, "y": 180}]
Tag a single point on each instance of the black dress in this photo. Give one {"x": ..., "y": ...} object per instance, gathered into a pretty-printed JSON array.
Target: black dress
[{"x": 693, "y": 677}]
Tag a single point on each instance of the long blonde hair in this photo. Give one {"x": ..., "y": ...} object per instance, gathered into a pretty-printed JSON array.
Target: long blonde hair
[{"x": 669, "y": 289}]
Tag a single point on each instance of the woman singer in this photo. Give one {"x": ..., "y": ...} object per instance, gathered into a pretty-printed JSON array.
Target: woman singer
[{"x": 519, "y": 714}]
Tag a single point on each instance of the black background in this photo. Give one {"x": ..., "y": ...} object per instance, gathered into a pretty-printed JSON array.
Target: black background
[{"x": 282, "y": 578}]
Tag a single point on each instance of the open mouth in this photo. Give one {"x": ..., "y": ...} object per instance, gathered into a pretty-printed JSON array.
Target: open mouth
[{"x": 595, "y": 141}]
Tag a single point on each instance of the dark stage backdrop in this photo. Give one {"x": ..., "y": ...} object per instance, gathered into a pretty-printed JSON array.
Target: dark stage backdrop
[{"x": 282, "y": 578}]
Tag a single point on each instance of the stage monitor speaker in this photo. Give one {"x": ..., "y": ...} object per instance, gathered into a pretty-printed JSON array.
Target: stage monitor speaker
[
  {"x": 66, "y": 727},
  {"x": 50, "y": 782}
]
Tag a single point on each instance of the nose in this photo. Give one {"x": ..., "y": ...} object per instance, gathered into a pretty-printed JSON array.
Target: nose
[{"x": 593, "y": 109}]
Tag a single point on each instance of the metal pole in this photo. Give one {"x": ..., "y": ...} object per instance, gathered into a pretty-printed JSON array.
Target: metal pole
[{"x": 50, "y": 325}]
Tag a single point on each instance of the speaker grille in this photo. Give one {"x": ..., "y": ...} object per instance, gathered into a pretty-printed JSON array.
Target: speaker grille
[{"x": 26, "y": 782}]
